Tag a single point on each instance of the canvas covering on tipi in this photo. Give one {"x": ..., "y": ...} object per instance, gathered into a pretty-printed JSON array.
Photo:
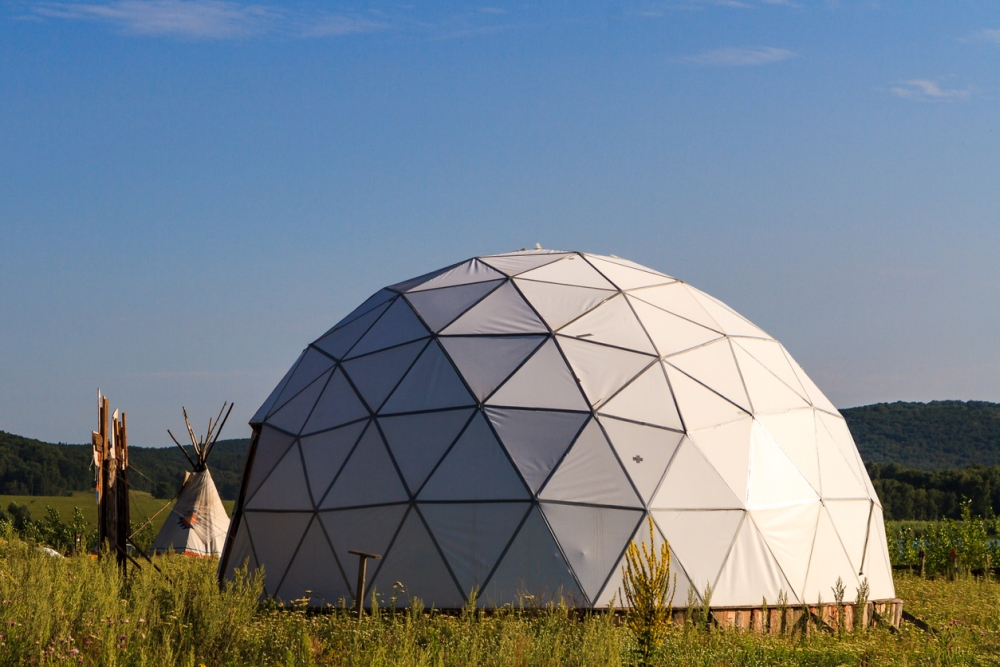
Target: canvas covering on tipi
[{"x": 509, "y": 422}]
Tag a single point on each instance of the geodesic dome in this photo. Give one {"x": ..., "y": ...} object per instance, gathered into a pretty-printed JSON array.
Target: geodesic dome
[{"x": 509, "y": 422}]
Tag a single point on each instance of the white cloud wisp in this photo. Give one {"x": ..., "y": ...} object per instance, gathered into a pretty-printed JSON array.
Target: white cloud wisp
[
  {"x": 736, "y": 57},
  {"x": 922, "y": 89}
]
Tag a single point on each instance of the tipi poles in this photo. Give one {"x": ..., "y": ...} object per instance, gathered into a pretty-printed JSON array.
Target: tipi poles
[{"x": 111, "y": 458}]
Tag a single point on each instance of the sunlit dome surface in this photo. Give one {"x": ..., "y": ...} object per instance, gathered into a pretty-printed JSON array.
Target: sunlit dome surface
[{"x": 509, "y": 422}]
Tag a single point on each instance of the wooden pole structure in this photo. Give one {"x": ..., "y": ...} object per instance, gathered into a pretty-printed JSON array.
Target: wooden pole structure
[
  {"x": 359, "y": 597},
  {"x": 111, "y": 457}
]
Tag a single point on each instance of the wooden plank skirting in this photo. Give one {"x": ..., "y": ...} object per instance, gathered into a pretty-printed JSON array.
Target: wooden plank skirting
[{"x": 753, "y": 618}]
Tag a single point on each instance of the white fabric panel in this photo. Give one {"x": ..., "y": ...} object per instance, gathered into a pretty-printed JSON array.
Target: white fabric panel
[
  {"x": 611, "y": 259},
  {"x": 197, "y": 523},
  {"x": 727, "y": 448},
  {"x": 535, "y": 439},
  {"x": 420, "y": 280},
  {"x": 560, "y": 304},
  {"x": 431, "y": 384},
  {"x": 850, "y": 520},
  {"x": 613, "y": 323},
  {"x": 795, "y": 433},
  {"x": 419, "y": 441},
  {"x": 701, "y": 541},
  {"x": 816, "y": 397},
  {"x": 368, "y": 529},
  {"x": 827, "y": 564},
  {"x": 772, "y": 357},
  {"x": 646, "y": 399},
  {"x": 692, "y": 483},
  {"x": 774, "y": 479},
  {"x": 533, "y": 572},
  {"x": 677, "y": 298},
  {"x": 841, "y": 434},
  {"x": 877, "y": 566},
  {"x": 241, "y": 552},
  {"x": 544, "y": 381},
  {"x": 593, "y": 539},
  {"x": 789, "y": 533},
  {"x": 275, "y": 535},
  {"x": 325, "y": 453},
  {"x": 590, "y": 473},
  {"x": 339, "y": 341},
  {"x": 372, "y": 302},
  {"x": 515, "y": 264},
  {"x": 700, "y": 406},
  {"x": 271, "y": 446},
  {"x": 368, "y": 477},
  {"x": 625, "y": 277},
  {"x": 312, "y": 365},
  {"x": 465, "y": 273},
  {"x": 265, "y": 408},
  {"x": 338, "y": 405},
  {"x": 715, "y": 367},
  {"x": 749, "y": 573},
  {"x": 476, "y": 468},
  {"x": 440, "y": 307},
  {"x": 293, "y": 415},
  {"x": 837, "y": 477},
  {"x": 601, "y": 370},
  {"x": 678, "y": 578},
  {"x": 415, "y": 562},
  {"x": 376, "y": 375},
  {"x": 671, "y": 333},
  {"x": 731, "y": 322},
  {"x": 398, "y": 325},
  {"x": 502, "y": 312},
  {"x": 570, "y": 270},
  {"x": 767, "y": 392},
  {"x": 643, "y": 450},
  {"x": 285, "y": 488},
  {"x": 486, "y": 361},
  {"x": 314, "y": 569},
  {"x": 472, "y": 536}
]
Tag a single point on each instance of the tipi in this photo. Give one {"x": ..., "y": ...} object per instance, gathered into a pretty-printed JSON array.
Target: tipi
[
  {"x": 198, "y": 524},
  {"x": 508, "y": 423}
]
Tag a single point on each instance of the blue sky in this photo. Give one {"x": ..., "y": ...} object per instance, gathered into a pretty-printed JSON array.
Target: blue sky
[{"x": 192, "y": 190}]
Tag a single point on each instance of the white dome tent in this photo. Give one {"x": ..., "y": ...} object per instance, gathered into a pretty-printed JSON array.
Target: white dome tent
[{"x": 507, "y": 424}]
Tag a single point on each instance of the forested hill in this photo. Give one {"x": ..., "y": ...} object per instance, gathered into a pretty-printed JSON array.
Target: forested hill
[
  {"x": 939, "y": 435},
  {"x": 33, "y": 467}
]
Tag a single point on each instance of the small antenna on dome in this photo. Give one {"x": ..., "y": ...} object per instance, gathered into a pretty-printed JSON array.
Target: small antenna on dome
[{"x": 538, "y": 246}]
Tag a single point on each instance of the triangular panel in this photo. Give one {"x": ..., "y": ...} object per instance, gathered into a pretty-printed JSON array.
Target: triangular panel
[
  {"x": 376, "y": 375},
  {"x": 560, "y": 304},
  {"x": 678, "y": 578},
  {"x": 701, "y": 540},
  {"x": 731, "y": 322},
  {"x": 590, "y": 473},
  {"x": 486, "y": 361},
  {"x": 398, "y": 325},
  {"x": 439, "y": 307},
  {"x": 692, "y": 483},
  {"x": 700, "y": 406},
  {"x": 593, "y": 539},
  {"x": 431, "y": 384},
  {"x": 613, "y": 259},
  {"x": 241, "y": 553},
  {"x": 370, "y": 304},
  {"x": 544, "y": 381},
  {"x": 625, "y": 277},
  {"x": 671, "y": 333},
  {"x": 535, "y": 439},
  {"x": 715, "y": 367},
  {"x": 368, "y": 529},
  {"x": 816, "y": 397},
  {"x": 767, "y": 392},
  {"x": 571, "y": 270},
  {"x": 515, "y": 264},
  {"x": 266, "y": 407},
  {"x": 878, "y": 570},
  {"x": 419, "y": 441},
  {"x": 836, "y": 426},
  {"x": 473, "y": 535},
  {"x": 285, "y": 488},
  {"x": 325, "y": 453},
  {"x": 293, "y": 415},
  {"x": 314, "y": 570},
  {"x": 612, "y": 323},
  {"x": 774, "y": 479},
  {"x": 337, "y": 342},
  {"x": 643, "y": 450},
  {"x": 601, "y": 370},
  {"x": 727, "y": 448},
  {"x": 271, "y": 446},
  {"x": 312, "y": 365},
  {"x": 646, "y": 399},
  {"x": 772, "y": 357},
  {"x": 338, "y": 405},
  {"x": 789, "y": 533},
  {"x": 750, "y": 572},
  {"x": 850, "y": 519},
  {"x": 677, "y": 298},
  {"x": 837, "y": 477},
  {"x": 476, "y": 468},
  {"x": 368, "y": 477},
  {"x": 470, "y": 272},
  {"x": 415, "y": 562},
  {"x": 276, "y": 535},
  {"x": 502, "y": 312},
  {"x": 828, "y": 563},
  {"x": 795, "y": 433}
]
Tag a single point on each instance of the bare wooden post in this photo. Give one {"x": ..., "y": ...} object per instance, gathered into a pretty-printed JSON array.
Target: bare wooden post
[
  {"x": 359, "y": 592},
  {"x": 111, "y": 457}
]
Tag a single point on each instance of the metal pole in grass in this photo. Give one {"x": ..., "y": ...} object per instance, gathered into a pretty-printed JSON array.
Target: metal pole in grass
[{"x": 359, "y": 598}]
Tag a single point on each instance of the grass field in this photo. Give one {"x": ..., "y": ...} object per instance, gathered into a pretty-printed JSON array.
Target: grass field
[{"x": 143, "y": 506}]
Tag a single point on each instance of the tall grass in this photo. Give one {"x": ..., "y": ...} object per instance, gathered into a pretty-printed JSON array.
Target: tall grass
[{"x": 971, "y": 541}]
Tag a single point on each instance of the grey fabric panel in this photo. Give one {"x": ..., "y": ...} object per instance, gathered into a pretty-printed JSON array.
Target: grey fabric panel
[
  {"x": 415, "y": 562},
  {"x": 502, "y": 312},
  {"x": 265, "y": 408},
  {"x": 643, "y": 450},
  {"x": 476, "y": 468},
  {"x": 375, "y": 375},
  {"x": 275, "y": 538},
  {"x": 602, "y": 370},
  {"x": 560, "y": 304},
  {"x": 431, "y": 384},
  {"x": 398, "y": 325},
  {"x": 241, "y": 553},
  {"x": 314, "y": 572},
  {"x": 646, "y": 399},
  {"x": 515, "y": 264},
  {"x": 413, "y": 282},
  {"x": 472, "y": 536},
  {"x": 590, "y": 473},
  {"x": 419, "y": 441},
  {"x": 271, "y": 446},
  {"x": 439, "y": 307},
  {"x": 592, "y": 538},
  {"x": 325, "y": 453},
  {"x": 339, "y": 341},
  {"x": 536, "y": 440},
  {"x": 285, "y": 488},
  {"x": 368, "y": 477},
  {"x": 544, "y": 381},
  {"x": 338, "y": 405},
  {"x": 486, "y": 361},
  {"x": 313, "y": 365},
  {"x": 371, "y": 303},
  {"x": 368, "y": 529},
  {"x": 472, "y": 271},
  {"x": 293, "y": 415},
  {"x": 533, "y": 572}
]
